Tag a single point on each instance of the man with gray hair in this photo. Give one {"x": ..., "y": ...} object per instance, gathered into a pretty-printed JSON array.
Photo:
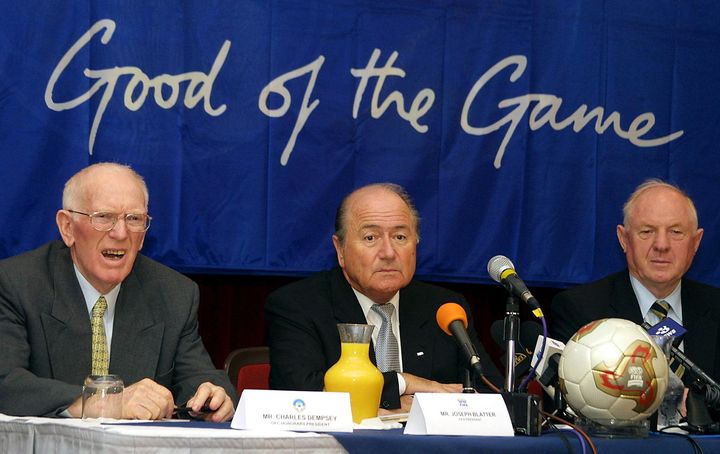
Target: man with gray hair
[
  {"x": 659, "y": 236},
  {"x": 91, "y": 304},
  {"x": 376, "y": 236}
]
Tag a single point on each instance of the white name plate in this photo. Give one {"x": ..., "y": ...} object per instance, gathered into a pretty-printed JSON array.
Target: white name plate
[
  {"x": 313, "y": 411},
  {"x": 459, "y": 414}
]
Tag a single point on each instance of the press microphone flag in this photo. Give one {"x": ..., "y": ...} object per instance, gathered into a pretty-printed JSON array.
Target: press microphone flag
[
  {"x": 502, "y": 270},
  {"x": 452, "y": 319},
  {"x": 667, "y": 327}
]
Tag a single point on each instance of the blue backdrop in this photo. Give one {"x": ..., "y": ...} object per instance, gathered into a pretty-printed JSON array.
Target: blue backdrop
[{"x": 518, "y": 126}]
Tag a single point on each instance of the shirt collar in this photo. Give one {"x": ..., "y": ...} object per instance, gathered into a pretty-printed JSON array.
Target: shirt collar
[
  {"x": 366, "y": 303},
  {"x": 91, "y": 295},
  {"x": 646, "y": 299}
]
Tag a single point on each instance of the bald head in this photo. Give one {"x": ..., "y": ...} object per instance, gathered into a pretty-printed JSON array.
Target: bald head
[
  {"x": 341, "y": 216},
  {"x": 654, "y": 185},
  {"x": 75, "y": 193}
]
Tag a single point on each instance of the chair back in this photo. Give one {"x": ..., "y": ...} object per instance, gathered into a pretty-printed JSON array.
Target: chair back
[{"x": 249, "y": 368}]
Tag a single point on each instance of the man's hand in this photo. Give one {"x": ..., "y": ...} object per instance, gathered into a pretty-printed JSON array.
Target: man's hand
[
  {"x": 142, "y": 400},
  {"x": 682, "y": 408},
  {"x": 415, "y": 384},
  {"x": 216, "y": 399},
  {"x": 147, "y": 400}
]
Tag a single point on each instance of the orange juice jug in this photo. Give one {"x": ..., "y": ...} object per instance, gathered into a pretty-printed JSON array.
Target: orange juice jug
[{"x": 355, "y": 373}]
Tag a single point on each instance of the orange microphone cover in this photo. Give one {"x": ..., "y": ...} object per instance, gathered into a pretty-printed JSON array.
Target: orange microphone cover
[{"x": 448, "y": 313}]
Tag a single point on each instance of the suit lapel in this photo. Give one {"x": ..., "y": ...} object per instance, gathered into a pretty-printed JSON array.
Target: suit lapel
[
  {"x": 623, "y": 301},
  {"x": 346, "y": 307},
  {"x": 67, "y": 326},
  {"x": 415, "y": 333},
  {"x": 137, "y": 335}
]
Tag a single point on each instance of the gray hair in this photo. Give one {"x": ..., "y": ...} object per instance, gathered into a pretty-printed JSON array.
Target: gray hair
[
  {"x": 341, "y": 214},
  {"x": 74, "y": 191},
  {"x": 651, "y": 184}
]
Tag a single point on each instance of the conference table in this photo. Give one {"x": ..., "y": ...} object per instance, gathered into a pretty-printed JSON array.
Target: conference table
[{"x": 51, "y": 435}]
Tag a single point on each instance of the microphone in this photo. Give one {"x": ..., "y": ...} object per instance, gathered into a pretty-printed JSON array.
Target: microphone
[
  {"x": 675, "y": 352},
  {"x": 452, "y": 319},
  {"x": 547, "y": 366},
  {"x": 502, "y": 270},
  {"x": 703, "y": 393}
]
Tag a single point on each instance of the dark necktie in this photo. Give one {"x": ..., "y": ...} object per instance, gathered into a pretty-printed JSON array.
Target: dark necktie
[
  {"x": 100, "y": 357},
  {"x": 661, "y": 308},
  {"x": 386, "y": 349}
]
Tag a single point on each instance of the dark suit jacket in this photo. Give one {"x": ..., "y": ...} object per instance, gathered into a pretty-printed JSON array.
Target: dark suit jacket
[
  {"x": 613, "y": 297},
  {"x": 304, "y": 341},
  {"x": 45, "y": 332}
]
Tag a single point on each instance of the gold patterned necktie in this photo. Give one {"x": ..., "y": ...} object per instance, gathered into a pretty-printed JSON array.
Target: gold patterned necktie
[
  {"x": 661, "y": 309},
  {"x": 100, "y": 357}
]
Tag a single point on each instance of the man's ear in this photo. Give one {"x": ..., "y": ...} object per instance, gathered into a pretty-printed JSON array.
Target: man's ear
[
  {"x": 698, "y": 238},
  {"x": 65, "y": 225},
  {"x": 338, "y": 251},
  {"x": 621, "y": 237}
]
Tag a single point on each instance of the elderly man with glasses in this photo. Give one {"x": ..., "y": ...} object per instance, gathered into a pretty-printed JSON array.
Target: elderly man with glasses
[{"x": 92, "y": 304}]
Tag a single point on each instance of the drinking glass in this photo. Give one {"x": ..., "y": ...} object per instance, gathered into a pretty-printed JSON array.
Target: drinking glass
[{"x": 102, "y": 397}]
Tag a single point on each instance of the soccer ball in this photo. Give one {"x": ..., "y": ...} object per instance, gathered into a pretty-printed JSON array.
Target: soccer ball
[{"x": 611, "y": 372}]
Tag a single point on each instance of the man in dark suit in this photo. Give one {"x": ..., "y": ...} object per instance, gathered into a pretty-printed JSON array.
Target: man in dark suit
[
  {"x": 376, "y": 235},
  {"x": 149, "y": 324},
  {"x": 660, "y": 237}
]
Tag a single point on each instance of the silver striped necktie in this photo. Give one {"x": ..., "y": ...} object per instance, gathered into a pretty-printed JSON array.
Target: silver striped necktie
[{"x": 386, "y": 348}]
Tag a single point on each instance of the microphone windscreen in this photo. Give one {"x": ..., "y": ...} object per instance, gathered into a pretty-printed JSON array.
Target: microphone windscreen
[
  {"x": 529, "y": 332},
  {"x": 497, "y": 331},
  {"x": 448, "y": 313},
  {"x": 497, "y": 265}
]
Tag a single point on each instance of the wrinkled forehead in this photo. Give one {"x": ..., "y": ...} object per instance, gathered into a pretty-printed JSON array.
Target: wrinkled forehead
[
  {"x": 105, "y": 188},
  {"x": 379, "y": 208},
  {"x": 662, "y": 205}
]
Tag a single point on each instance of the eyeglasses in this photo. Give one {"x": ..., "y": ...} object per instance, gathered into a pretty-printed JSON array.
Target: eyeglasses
[{"x": 104, "y": 221}]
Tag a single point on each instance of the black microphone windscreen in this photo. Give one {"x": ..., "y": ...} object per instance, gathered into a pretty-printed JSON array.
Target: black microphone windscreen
[
  {"x": 529, "y": 332},
  {"x": 497, "y": 332}
]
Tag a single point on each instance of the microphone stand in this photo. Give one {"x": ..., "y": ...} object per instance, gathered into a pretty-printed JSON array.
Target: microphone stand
[
  {"x": 523, "y": 408},
  {"x": 702, "y": 392},
  {"x": 468, "y": 382},
  {"x": 511, "y": 335}
]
